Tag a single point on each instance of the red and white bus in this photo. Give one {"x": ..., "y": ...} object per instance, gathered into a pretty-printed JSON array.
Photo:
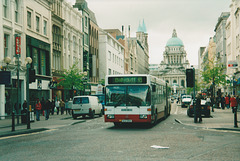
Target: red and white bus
[{"x": 136, "y": 98}]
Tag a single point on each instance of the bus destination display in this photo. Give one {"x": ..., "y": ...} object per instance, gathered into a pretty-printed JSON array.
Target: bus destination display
[{"x": 127, "y": 80}]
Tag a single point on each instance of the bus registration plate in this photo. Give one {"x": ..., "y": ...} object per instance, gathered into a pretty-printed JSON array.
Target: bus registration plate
[
  {"x": 126, "y": 109},
  {"x": 126, "y": 120}
]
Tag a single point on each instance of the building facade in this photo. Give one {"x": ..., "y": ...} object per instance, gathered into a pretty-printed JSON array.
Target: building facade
[
  {"x": 72, "y": 44},
  {"x": 233, "y": 47},
  {"x": 93, "y": 52},
  {"x": 112, "y": 55},
  {"x": 31, "y": 21}
]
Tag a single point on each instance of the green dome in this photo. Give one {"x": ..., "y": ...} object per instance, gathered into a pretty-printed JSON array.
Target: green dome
[{"x": 174, "y": 41}]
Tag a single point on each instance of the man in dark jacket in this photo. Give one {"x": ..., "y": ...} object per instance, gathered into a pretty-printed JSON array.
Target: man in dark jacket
[{"x": 198, "y": 110}]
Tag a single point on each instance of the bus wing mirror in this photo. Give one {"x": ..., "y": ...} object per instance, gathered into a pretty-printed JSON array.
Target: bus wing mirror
[{"x": 153, "y": 88}]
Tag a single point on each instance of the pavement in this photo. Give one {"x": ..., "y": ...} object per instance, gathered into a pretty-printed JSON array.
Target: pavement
[
  {"x": 54, "y": 122},
  {"x": 219, "y": 120}
]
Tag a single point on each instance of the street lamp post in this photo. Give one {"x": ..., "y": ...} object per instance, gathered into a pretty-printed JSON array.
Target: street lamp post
[
  {"x": 8, "y": 60},
  {"x": 28, "y": 60},
  {"x": 18, "y": 53}
]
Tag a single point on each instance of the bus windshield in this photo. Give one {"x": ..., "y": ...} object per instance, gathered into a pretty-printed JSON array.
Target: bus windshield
[{"x": 128, "y": 96}]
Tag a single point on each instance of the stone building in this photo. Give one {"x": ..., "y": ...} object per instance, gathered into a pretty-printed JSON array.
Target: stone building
[{"x": 173, "y": 67}]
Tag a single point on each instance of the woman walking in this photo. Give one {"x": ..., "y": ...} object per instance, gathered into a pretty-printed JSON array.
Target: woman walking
[
  {"x": 38, "y": 108},
  {"x": 233, "y": 102}
]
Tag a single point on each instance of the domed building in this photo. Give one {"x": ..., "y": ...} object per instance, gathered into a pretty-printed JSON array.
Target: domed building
[{"x": 173, "y": 67}]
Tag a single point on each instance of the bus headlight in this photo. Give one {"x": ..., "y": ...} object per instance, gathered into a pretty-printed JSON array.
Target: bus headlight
[
  {"x": 110, "y": 116},
  {"x": 143, "y": 116}
]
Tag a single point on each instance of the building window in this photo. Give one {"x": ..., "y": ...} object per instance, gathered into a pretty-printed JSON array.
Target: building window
[
  {"x": 29, "y": 19},
  {"x": 182, "y": 83},
  {"x": 85, "y": 39},
  {"x": 37, "y": 23},
  {"x": 6, "y": 45},
  {"x": 174, "y": 81},
  {"x": 16, "y": 10},
  {"x": 109, "y": 55},
  {"x": 43, "y": 62},
  {"x": 69, "y": 62},
  {"x": 69, "y": 42},
  {"x": 5, "y": 8},
  {"x": 109, "y": 71},
  {"x": 74, "y": 44},
  {"x": 56, "y": 38},
  {"x": 86, "y": 22},
  {"x": 45, "y": 27},
  {"x": 65, "y": 41}
]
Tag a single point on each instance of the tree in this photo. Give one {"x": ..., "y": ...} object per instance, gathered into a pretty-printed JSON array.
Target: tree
[
  {"x": 213, "y": 74},
  {"x": 73, "y": 79}
]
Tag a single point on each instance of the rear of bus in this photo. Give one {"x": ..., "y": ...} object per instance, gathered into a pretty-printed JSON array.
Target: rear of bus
[{"x": 128, "y": 100}]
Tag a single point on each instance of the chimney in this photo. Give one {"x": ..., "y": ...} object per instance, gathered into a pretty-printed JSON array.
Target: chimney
[
  {"x": 122, "y": 29},
  {"x": 128, "y": 30}
]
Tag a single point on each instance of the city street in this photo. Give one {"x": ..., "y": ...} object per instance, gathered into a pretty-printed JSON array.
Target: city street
[{"x": 93, "y": 139}]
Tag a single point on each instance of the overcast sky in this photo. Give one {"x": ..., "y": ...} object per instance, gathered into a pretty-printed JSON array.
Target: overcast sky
[{"x": 194, "y": 21}]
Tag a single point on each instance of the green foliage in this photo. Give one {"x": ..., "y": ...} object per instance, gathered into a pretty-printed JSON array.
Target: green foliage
[
  {"x": 102, "y": 82},
  {"x": 73, "y": 78},
  {"x": 213, "y": 74}
]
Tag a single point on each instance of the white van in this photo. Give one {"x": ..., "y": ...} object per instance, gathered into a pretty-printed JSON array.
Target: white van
[{"x": 86, "y": 105}]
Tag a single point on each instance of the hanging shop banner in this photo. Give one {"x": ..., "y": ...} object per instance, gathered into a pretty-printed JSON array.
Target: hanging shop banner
[{"x": 18, "y": 44}]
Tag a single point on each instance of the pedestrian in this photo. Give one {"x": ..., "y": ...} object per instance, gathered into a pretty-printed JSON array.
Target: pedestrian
[
  {"x": 227, "y": 101},
  {"x": 67, "y": 107},
  {"x": 48, "y": 106},
  {"x": 238, "y": 102},
  {"x": 24, "y": 112},
  {"x": 208, "y": 100},
  {"x": 218, "y": 102},
  {"x": 212, "y": 103},
  {"x": 198, "y": 109},
  {"x": 62, "y": 106},
  {"x": 223, "y": 102},
  {"x": 57, "y": 104},
  {"x": 43, "y": 102},
  {"x": 24, "y": 105},
  {"x": 53, "y": 106},
  {"x": 38, "y": 108},
  {"x": 233, "y": 103}
]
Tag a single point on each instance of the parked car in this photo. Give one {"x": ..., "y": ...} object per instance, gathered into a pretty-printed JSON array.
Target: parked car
[
  {"x": 205, "y": 106},
  {"x": 186, "y": 100},
  {"x": 101, "y": 98},
  {"x": 86, "y": 105}
]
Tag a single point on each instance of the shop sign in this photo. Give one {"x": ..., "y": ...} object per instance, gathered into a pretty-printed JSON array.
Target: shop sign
[
  {"x": 18, "y": 45},
  {"x": 232, "y": 64},
  {"x": 99, "y": 89}
]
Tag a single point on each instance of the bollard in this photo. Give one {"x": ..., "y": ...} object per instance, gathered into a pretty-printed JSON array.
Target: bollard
[
  {"x": 235, "y": 117},
  {"x": 13, "y": 122}
]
